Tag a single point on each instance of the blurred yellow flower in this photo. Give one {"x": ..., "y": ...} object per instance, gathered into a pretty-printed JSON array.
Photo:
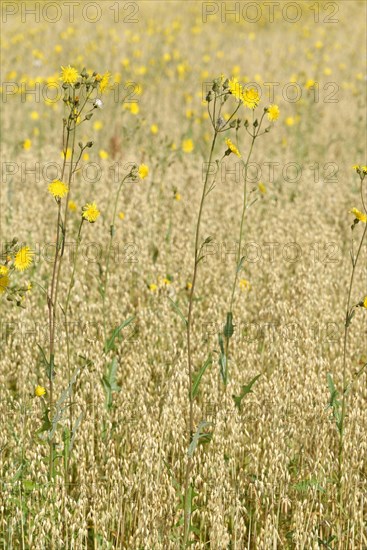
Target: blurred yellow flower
[
  {"x": 121, "y": 215},
  {"x": 72, "y": 206},
  {"x": 153, "y": 287},
  {"x": 273, "y": 112},
  {"x": 34, "y": 115},
  {"x": 97, "y": 125},
  {"x": 359, "y": 215},
  {"x": 261, "y": 188},
  {"x": 27, "y": 144},
  {"x": 232, "y": 148},
  {"x": 103, "y": 154},
  {"x": 154, "y": 129},
  {"x": 244, "y": 284},
  {"x": 177, "y": 197},
  {"x": 143, "y": 171},
  {"x": 4, "y": 270},
  {"x": 235, "y": 88},
  {"x": 250, "y": 98},
  {"x": 104, "y": 81},
  {"x": 23, "y": 258},
  {"x": 90, "y": 212},
  {"x": 187, "y": 145}
]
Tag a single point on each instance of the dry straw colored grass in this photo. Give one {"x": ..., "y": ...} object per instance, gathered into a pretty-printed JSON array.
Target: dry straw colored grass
[{"x": 267, "y": 479}]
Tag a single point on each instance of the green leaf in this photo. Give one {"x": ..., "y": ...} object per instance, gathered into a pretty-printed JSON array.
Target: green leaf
[
  {"x": 198, "y": 377},
  {"x": 110, "y": 342},
  {"x": 178, "y": 311},
  {"x": 240, "y": 264},
  {"x": 109, "y": 382},
  {"x": 245, "y": 390},
  {"x": 200, "y": 436},
  {"x": 228, "y": 329},
  {"x": 222, "y": 360}
]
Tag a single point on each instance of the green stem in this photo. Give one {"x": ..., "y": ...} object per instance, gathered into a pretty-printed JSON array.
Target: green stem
[
  {"x": 188, "y": 334},
  {"x": 112, "y": 232}
]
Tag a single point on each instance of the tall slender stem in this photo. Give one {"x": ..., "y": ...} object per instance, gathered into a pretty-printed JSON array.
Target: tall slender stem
[
  {"x": 345, "y": 342},
  {"x": 188, "y": 335}
]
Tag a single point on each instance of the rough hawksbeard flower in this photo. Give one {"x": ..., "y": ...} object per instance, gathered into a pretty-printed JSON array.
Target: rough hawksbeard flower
[
  {"x": 273, "y": 112},
  {"x": 250, "y": 98},
  {"x": 143, "y": 171},
  {"x": 235, "y": 88},
  {"x": 23, "y": 258},
  {"x": 58, "y": 189},
  {"x": 232, "y": 148},
  {"x": 39, "y": 391},
  {"x": 69, "y": 75},
  {"x": 359, "y": 215},
  {"x": 90, "y": 212}
]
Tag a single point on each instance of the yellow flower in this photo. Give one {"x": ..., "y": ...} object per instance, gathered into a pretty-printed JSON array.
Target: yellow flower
[
  {"x": 98, "y": 124},
  {"x": 121, "y": 215},
  {"x": 143, "y": 171},
  {"x": 273, "y": 112},
  {"x": 4, "y": 282},
  {"x": 23, "y": 258},
  {"x": 39, "y": 391},
  {"x": 244, "y": 284},
  {"x": 250, "y": 98},
  {"x": 27, "y": 144},
  {"x": 359, "y": 215},
  {"x": 58, "y": 189},
  {"x": 232, "y": 148},
  {"x": 69, "y": 75},
  {"x": 261, "y": 187},
  {"x": 72, "y": 206},
  {"x": 290, "y": 120},
  {"x": 365, "y": 302},
  {"x": 34, "y": 115},
  {"x": 154, "y": 129},
  {"x": 188, "y": 286},
  {"x": 90, "y": 212},
  {"x": 4, "y": 270},
  {"x": 177, "y": 197},
  {"x": 103, "y": 154},
  {"x": 165, "y": 281},
  {"x": 153, "y": 287},
  {"x": 85, "y": 156},
  {"x": 104, "y": 81},
  {"x": 187, "y": 145},
  {"x": 235, "y": 88}
]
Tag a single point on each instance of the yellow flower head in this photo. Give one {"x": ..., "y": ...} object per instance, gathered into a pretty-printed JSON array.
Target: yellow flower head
[
  {"x": 143, "y": 171},
  {"x": 262, "y": 188},
  {"x": 153, "y": 287},
  {"x": 90, "y": 212},
  {"x": 244, "y": 284},
  {"x": 69, "y": 75},
  {"x": 23, "y": 258},
  {"x": 154, "y": 129},
  {"x": 250, "y": 98},
  {"x": 72, "y": 206},
  {"x": 3, "y": 270},
  {"x": 187, "y": 145},
  {"x": 359, "y": 215},
  {"x": 58, "y": 189},
  {"x": 235, "y": 88},
  {"x": 39, "y": 391},
  {"x": 27, "y": 144},
  {"x": 365, "y": 302},
  {"x": 232, "y": 148},
  {"x": 121, "y": 215},
  {"x": 103, "y": 154},
  {"x": 103, "y": 83},
  {"x": 177, "y": 197},
  {"x": 273, "y": 112}
]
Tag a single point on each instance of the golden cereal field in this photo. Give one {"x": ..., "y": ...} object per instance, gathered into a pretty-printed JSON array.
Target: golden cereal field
[{"x": 183, "y": 275}]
